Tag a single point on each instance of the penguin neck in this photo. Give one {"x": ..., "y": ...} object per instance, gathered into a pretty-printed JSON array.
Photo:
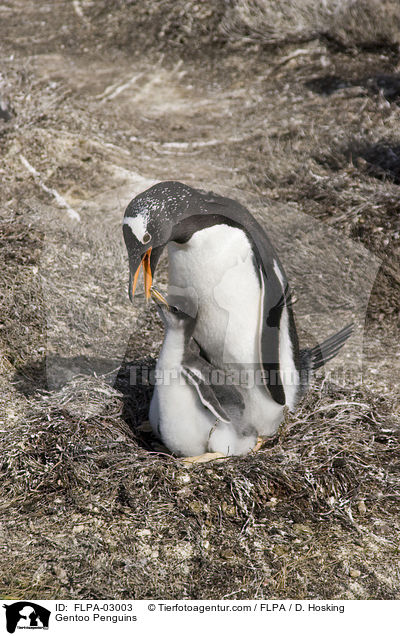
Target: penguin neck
[{"x": 173, "y": 348}]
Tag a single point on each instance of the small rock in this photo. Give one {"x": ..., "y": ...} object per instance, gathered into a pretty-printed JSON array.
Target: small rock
[
  {"x": 40, "y": 573},
  {"x": 354, "y": 573},
  {"x": 61, "y": 575},
  {"x": 5, "y": 112},
  {"x": 362, "y": 508},
  {"x": 258, "y": 545},
  {"x": 196, "y": 507},
  {"x": 228, "y": 554},
  {"x": 228, "y": 509},
  {"x": 184, "y": 492},
  {"x": 184, "y": 550},
  {"x": 300, "y": 528},
  {"x": 148, "y": 552},
  {"x": 144, "y": 427},
  {"x": 184, "y": 479},
  {"x": 280, "y": 550},
  {"x": 78, "y": 528},
  {"x": 143, "y": 533},
  {"x": 361, "y": 163}
]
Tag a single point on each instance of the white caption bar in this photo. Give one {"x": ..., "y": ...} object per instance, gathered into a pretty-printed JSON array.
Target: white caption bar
[{"x": 177, "y": 617}]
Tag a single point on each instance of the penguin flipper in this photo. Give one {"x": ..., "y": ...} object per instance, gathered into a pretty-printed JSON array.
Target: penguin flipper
[
  {"x": 276, "y": 296},
  {"x": 207, "y": 396},
  {"x": 312, "y": 359},
  {"x": 224, "y": 388}
]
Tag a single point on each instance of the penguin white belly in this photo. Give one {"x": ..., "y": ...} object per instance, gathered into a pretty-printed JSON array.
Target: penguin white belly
[{"x": 215, "y": 270}]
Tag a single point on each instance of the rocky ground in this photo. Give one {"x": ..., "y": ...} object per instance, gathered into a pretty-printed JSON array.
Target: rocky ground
[{"x": 293, "y": 111}]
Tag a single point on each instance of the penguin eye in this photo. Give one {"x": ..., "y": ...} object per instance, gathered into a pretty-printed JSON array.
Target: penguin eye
[
  {"x": 173, "y": 310},
  {"x": 146, "y": 237}
]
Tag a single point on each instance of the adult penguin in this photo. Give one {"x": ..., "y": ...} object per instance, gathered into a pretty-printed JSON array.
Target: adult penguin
[{"x": 224, "y": 271}]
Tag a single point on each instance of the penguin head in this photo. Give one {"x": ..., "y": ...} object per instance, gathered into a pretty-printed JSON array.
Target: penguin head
[
  {"x": 173, "y": 317},
  {"x": 149, "y": 224},
  {"x": 144, "y": 245}
]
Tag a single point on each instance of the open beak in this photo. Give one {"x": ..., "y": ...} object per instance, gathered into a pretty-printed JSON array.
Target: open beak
[
  {"x": 157, "y": 297},
  {"x": 148, "y": 278}
]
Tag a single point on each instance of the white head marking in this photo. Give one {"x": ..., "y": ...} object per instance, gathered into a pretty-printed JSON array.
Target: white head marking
[{"x": 138, "y": 225}]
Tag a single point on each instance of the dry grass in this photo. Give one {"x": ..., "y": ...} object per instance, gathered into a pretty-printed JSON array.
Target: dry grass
[
  {"x": 346, "y": 24},
  {"x": 107, "y": 519},
  {"x": 194, "y": 26},
  {"x": 90, "y": 507}
]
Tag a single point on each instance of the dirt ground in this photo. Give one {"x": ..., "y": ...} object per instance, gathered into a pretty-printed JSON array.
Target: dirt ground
[{"x": 294, "y": 111}]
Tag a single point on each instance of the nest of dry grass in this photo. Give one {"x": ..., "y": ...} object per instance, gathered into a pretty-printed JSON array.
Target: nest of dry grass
[{"x": 122, "y": 522}]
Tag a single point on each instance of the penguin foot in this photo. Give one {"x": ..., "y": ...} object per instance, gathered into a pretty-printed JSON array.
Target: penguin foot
[
  {"x": 260, "y": 442},
  {"x": 158, "y": 447},
  {"x": 202, "y": 459},
  {"x": 144, "y": 427}
]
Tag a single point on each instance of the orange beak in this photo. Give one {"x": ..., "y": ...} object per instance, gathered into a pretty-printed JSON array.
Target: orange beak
[{"x": 148, "y": 279}]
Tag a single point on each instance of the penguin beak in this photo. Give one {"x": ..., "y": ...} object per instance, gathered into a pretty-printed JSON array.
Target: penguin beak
[
  {"x": 158, "y": 298},
  {"x": 148, "y": 278}
]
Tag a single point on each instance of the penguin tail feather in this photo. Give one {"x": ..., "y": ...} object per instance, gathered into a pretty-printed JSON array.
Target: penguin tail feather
[{"x": 321, "y": 354}]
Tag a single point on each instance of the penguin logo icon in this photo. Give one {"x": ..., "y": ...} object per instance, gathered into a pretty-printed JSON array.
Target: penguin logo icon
[{"x": 26, "y": 615}]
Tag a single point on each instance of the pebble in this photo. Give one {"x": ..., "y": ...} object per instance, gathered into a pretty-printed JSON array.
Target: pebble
[
  {"x": 354, "y": 573},
  {"x": 40, "y": 573},
  {"x": 281, "y": 550},
  {"x": 196, "y": 507},
  {"x": 300, "y": 528},
  {"x": 184, "y": 550},
  {"x": 184, "y": 479},
  {"x": 61, "y": 574},
  {"x": 228, "y": 554},
  {"x": 362, "y": 508},
  {"x": 79, "y": 528},
  {"x": 228, "y": 509},
  {"x": 143, "y": 533}
]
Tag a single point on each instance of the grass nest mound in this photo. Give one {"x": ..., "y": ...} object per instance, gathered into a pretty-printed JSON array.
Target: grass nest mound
[{"x": 122, "y": 521}]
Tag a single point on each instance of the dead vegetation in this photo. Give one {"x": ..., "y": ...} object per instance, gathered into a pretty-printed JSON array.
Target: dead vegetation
[
  {"x": 292, "y": 110},
  {"x": 194, "y": 26},
  {"x": 101, "y": 516}
]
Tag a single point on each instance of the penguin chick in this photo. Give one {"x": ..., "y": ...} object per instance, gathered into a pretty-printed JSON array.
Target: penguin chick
[{"x": 190, "y": 414}]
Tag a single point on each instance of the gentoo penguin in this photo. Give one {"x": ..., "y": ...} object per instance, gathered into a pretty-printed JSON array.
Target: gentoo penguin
[
  {"x": 190, "y": 414},
  {"x": 224, "y": 270}
]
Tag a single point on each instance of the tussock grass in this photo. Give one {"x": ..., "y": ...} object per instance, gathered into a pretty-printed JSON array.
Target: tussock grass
[
  {"x": 346, "y": 24},
  {"x": 192, "y": 25}
]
